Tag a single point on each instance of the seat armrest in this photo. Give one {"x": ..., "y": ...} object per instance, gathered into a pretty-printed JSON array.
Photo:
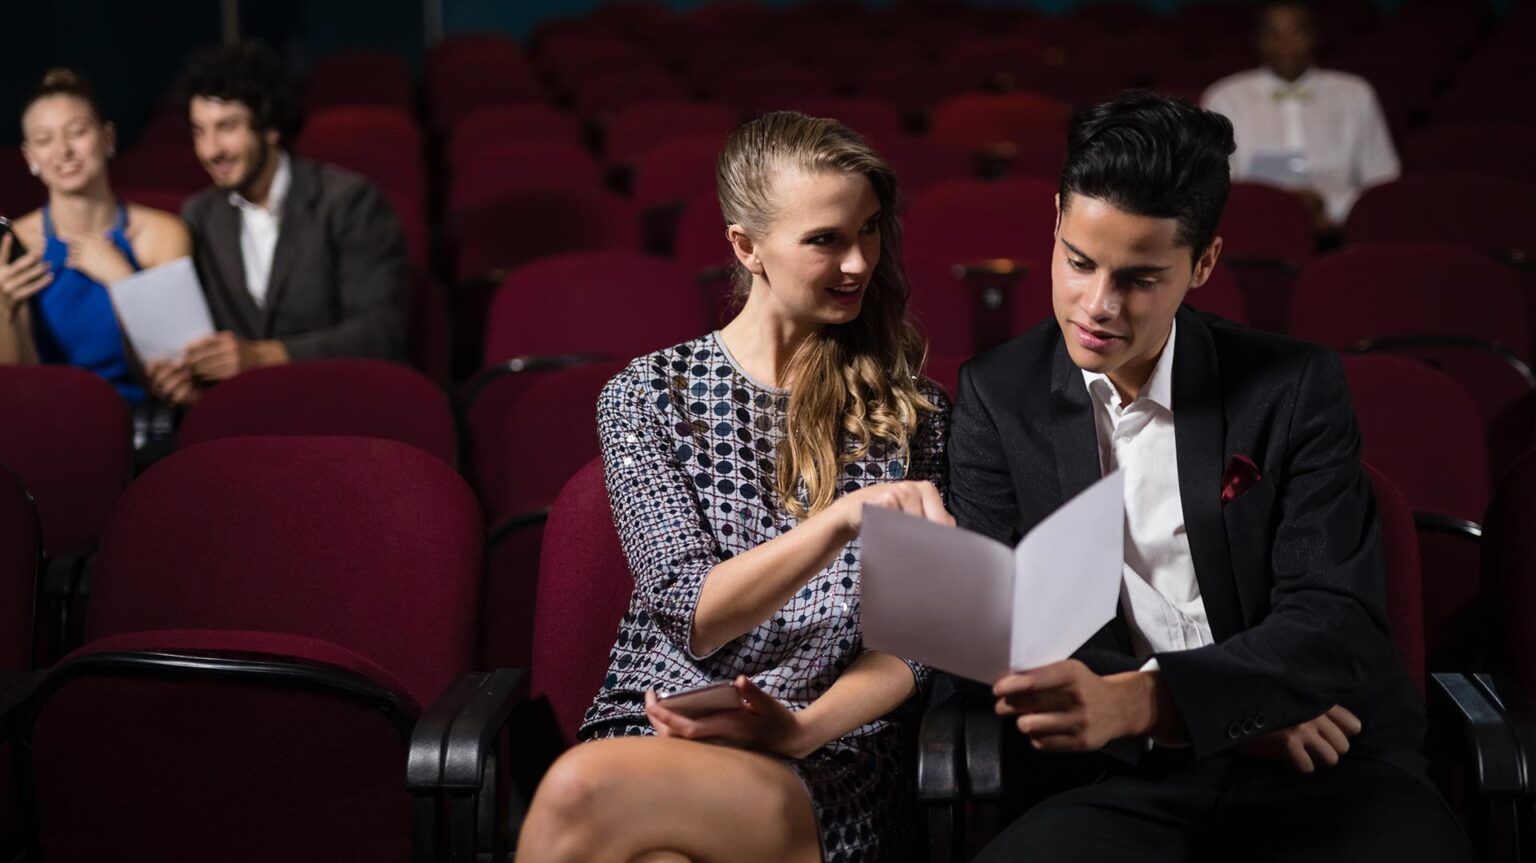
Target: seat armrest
[
  {"x": 983, "y": 752},
  {"x": 940, "y": 738},
  {"x": 1487, "y": 738},
  {"x": 453, "y": 739}
]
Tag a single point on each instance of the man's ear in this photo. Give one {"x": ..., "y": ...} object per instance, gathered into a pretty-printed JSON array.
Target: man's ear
[
  {"x": 1206, "y": 264},
  {"x": 273, "y": 137},
  {"x": 745, "y": 249}
]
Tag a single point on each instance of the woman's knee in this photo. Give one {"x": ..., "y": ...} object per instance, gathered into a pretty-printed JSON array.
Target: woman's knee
[{"x": 577, "y": 789}]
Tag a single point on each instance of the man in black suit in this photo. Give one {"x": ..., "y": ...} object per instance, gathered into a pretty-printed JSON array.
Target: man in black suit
[
  {"x": 1248, "y": 689},
  {"x": 298, "y": 260}
]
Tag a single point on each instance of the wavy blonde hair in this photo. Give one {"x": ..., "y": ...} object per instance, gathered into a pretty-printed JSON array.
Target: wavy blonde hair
[{"x": 854, "y": 384}]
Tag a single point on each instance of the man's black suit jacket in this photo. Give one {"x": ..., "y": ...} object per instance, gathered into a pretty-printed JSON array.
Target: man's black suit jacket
[
  {"x": 1291, "y": 571},
  {"x": 340, "y": 283}
]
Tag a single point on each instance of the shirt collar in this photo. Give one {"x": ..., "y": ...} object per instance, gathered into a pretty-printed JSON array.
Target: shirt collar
[
  {"x": 282, "y": 178},
  {"x": 1158, "y": 388},
  {"x": 1278, "y": 84}
]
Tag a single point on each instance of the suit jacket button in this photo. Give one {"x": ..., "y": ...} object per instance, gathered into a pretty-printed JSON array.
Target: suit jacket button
[
  {"x": 1234, "y": 731},
  {"x": 1248, "y": 726},
  {"x": 1260, "y": 721}
]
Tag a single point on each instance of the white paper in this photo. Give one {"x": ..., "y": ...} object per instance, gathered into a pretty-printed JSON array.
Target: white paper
[
  {"x": 966, "y": 604},
  {"x": 1068, "y": 573},
  {"x": 161, "y": 309}
]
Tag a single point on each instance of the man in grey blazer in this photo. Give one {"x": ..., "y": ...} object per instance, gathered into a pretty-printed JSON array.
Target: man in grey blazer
[{"x": 299, "y": 260}]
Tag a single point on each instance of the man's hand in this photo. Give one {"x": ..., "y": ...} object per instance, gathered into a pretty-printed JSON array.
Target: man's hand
[
  {"x": 1064, "y": 707},
  {"x": 223, "y": 355},
  {"x": 1318, "y": 742},
  {"x": 172, "y": 383}
]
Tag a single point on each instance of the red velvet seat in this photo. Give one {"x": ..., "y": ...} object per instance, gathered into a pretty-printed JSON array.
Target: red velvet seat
[
  {"x": 584, "y": 589},
  {"x": 1422, "y": 429},
  {"x": 501, "y": 123},
  {"x": 366, "y": 398},
  {"x": 1450, "y": 306},
  {"x": 20, "y": 192},
  {"x": 500, "y": 170},
  {"x": 537, "y": 222},
  {"x": 1017, "y": 120},
  {"x": 613, "y": 92},
  {"x": 1220, "y": 295},
  {"x": 271, "y": 617},
  {"x": 700, "y": 247},
  {"x": 1509, "y": 549},
  {"x": 1491, "y": 148},
  {"x": 676, "y": 169},
  {"x": 876, "y": 119},
  {"x": 358, "y": 78},
  {"x": 1433, "y": 209},
  {"x": 637, "y": 128},
  {"x": 465, "y": 73},
  {"x": 1267, "y": 237},
  {"x": 21, "y": 551},
  {"x": 614, "y": 304},
  {"x": 381, "y": 143},
  {"x": 68, "y": 435},
  {"x": 1405, "y": 596}
]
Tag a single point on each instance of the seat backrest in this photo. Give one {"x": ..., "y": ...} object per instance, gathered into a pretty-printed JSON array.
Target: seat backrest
[
  {"x": 676, "y": 169},
  {"x": 529, "y": 433},
  {"x": 963, "y": 221},
  {"x": 499, "y": 169},
  {"x": 584, "y": 589},
  {"x": 1220, "y": 295},
  {"x": 1491, "y": 148},
  {"x": 21, "y": 549},
  {"x": 367, "y": 398},
  {"x": 1266, "y": 223},
  {"x": 1422, "y": 429},
  {"x": 977, "y": 120},
  {"x": 614, "y": 304},
  {"x": 1433, "y": 209},
  {"x": 510, "y": 123},
  {"x": 1370, "y": 291},
  {"x": 530, "y": 224},
  {"x": 68, "y": 435},
  {"x": 1508, "y": 586},
  {"x": 1405, "y": 597},
  {"x": 368, "y": 544},
  {"x": 637, "y": 128}
]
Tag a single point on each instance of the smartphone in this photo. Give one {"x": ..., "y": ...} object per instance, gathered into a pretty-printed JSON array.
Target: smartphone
[
  {"x": 700, "y": 700},
  {"x": 17, "y": 249}
]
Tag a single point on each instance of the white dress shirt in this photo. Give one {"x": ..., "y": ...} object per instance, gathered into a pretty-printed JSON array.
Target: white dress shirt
[
  {"x": 258, "y": 230},
  {"x": 1159, "y": 593},
  {"x": 1326, "y": 126}
]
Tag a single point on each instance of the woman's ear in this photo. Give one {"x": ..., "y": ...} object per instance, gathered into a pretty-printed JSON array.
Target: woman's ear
[
  {"x": 745, "y": 249},
  {"x": 109, "y": 136}
]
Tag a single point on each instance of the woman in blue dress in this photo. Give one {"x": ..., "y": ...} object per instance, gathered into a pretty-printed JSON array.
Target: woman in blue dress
[
  {"x": 738, "y": 465},
  {"x": 54, "y": 306}
]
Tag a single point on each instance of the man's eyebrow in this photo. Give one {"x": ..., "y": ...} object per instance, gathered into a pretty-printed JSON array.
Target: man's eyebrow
[{"x": 1138, "y": 270}]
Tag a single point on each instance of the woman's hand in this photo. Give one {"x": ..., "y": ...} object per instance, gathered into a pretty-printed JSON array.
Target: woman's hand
[
  {"x": 20, "y": 278},
  {"x": 763, "y": 724},
  {"x": 919, "y": 498},
  {"x": 97, "y": 257}
]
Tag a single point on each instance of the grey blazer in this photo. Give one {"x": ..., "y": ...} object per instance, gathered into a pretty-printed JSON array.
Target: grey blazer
[{"x": 340, "y": 284}]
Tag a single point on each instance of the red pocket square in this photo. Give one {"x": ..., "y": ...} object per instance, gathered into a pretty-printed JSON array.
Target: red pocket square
[{"x": 1242, "y": 474}]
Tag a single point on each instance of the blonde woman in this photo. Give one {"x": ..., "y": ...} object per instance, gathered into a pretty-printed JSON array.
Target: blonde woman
[
  {"x": 54, "y": 306},
  {"x": 738, "y": 465}
]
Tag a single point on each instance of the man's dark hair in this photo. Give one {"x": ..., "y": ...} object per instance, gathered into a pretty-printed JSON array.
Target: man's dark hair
[
  {"x": 248, "y": 73},
  {"x": 1153, "y": 155},
  {"x": 1302, "y": 6}
]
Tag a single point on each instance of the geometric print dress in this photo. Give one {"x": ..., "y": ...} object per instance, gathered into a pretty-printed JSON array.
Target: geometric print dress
[{"x": 689, "y": 446}]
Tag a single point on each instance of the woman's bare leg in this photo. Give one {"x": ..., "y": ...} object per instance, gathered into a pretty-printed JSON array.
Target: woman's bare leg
[{"x": 623, "y": 798}]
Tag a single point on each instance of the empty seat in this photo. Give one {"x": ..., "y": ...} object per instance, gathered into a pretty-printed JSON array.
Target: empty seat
[
  {"x": 1509, "y": 547},
  {"x": 1013, "y": 120},
  {"x": 358, "y": 78},
  {"x": 1267, "y": 237},
  {"x": 272, "y": 618},
  {"x": 21, "y": 551},
  {"x": 637, "y": 128},
  {"x": 529, "y": 224},
  {"x": 1491, "y": 148},
  {"x": 381, "y": 143},
  {"x": 614, "y": 304},
  {"x": 496, "y": 171},
  {"x": 68, "y": 435},
  {"x": 1433, "y": 209},
  {"x": 502, "y": 123},
  {"x": 365, "y": 398},
  {"x": 676, "y": 170},
  {"x": 1422, "y": 429}
]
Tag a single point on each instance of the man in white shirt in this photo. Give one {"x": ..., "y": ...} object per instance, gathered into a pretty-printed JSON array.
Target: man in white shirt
[
  {"x": 1318, "y": 132},
  {"x": 1248, "y": 691},
  {"x": 297, "y": 259}
]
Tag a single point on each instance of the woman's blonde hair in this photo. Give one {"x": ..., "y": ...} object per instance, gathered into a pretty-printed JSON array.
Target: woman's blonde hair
[{"x": 854, "y": 384}]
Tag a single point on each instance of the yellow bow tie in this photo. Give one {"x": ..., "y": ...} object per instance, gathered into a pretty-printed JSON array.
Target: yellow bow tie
[{"x": 1302, "y": 94}]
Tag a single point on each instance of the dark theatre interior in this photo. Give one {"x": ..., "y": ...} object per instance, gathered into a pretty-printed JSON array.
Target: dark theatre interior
[{"x": 351, "y": 609}]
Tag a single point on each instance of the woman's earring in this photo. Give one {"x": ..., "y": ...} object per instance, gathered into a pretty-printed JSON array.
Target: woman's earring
[{"x": 34, "y": 169}]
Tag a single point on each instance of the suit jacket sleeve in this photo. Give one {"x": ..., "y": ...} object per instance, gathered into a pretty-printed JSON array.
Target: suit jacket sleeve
[
  {"x": 373, "y": 282},
  {"x": 981, "y": 495},
  {"x": 1326, "y": 629}
]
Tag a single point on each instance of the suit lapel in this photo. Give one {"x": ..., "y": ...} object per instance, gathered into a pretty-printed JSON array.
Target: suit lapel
[
  {"x": 224, "y": 244},
  {"x": 1200, "y": 441},
  {"x": 293, "y": 234},
  {"x": 1075, "y": 439}
]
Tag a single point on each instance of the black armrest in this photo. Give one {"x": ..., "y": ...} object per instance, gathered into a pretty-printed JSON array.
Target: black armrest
[
  {"x": 983, "y": 752},
  {"x": 939, "y": 740},
  {"x": 1494, "y": 755},
  {"x": 1465, "y": 343},
  {"x": 1519, "y": 711},
  {"x": 1439, "y": 523},
  {"x": 521, "y": 365}
]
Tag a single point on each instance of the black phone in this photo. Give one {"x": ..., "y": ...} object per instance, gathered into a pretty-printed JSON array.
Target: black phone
[{"x": 17, "y": 249}]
